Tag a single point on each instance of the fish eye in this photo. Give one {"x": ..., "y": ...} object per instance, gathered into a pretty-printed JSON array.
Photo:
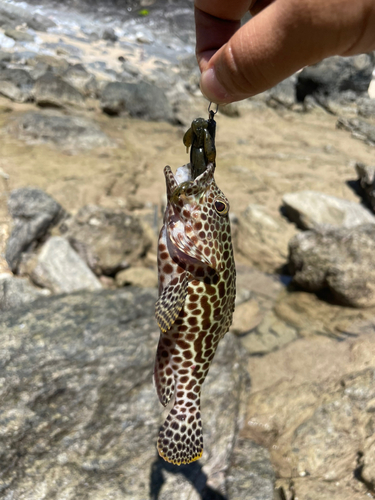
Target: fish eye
[{"x": 221, "y": 207}]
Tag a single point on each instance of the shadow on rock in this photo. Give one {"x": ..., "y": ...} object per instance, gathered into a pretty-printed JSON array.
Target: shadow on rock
[{"x": 192, "y": 473}]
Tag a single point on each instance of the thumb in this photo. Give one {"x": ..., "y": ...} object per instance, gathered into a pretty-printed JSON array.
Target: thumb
[{"x": 284, "y": 37}]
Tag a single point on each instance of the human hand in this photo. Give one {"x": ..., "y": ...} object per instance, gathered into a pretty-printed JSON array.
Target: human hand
[{"x": 282, "y": 37}]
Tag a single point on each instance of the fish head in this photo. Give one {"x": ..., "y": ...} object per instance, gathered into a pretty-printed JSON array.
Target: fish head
[{"x": 197, "y": 220}]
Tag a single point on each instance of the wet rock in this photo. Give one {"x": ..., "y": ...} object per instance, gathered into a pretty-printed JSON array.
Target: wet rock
[
  {"x": 262, "y": 238},
  {"x": 283, "y": 94},
  {"x": 16, "y": 84},
  {"x": 80, "y": 415},
  {"x": 14, "y": 15},
  {"x": 338, "y": 259},
  {"x": 366, "y": 107},
  {"x": 60, "y": 269},
  {"x": 138, "y": 276},
  {"x": 310, "y": 209},
  {"x": 69, "y": 132},
  {"x": 34, "y": 212},
  {"x": 14, "y": 292},
  {"x": 335, "y": 75},
  {"x": 82, "y": 80},
  {"x": 366, "y": 177},
  {"x": 108, "y": 241},
  {"x": 51, "y": 90},
  {"x": 19, "y": 36},
  {"x": 141, "y": 100},
  {"x": 360, "y": 129}
]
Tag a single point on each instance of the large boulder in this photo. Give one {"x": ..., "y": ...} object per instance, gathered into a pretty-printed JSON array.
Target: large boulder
[
  {"x": 16, "y": 84},
  {"x": 340, "y": 259},
  {"x": 34, "y": 212},
  {"x": 51, "y": 90},
  {"x": 60, "y": 269},
  {"x": 80, "y": 416},
  {"x": 310, "y": 209},
  {"x": 335, "y": 75},
  {"x": 140, "y": 100},
  {"x": 107, "y": 241},
  {"x": 68, "y": 132}
]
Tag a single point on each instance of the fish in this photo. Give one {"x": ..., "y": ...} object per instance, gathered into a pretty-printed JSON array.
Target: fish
[{"x": 197, "y": 281}]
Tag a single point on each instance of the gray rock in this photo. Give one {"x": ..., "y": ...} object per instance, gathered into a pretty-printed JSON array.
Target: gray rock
[
  {"x": 366, "y": 177},
  {"x": 360, "y": 129},
  {"x": 56, "y": 65},
  {"x": 335, "y": 75},
  {"x": 340, "y": 259},
  {"x": 107, "y": 241},
  {"x": 283, "y": 94},
  {"x": 34, "y": 212},
  {"x": 80, "y": 416},
  {"x": 109, "y": 34},
  {"x": 14, "y": 16},
  {"x": 5, "y": 56},
  {"x": 19, "y": 36},
  {"x": 366, "y": 107},
  {"x": 14, "y": 292},
  {"x": 82, "y": 80},
  {"x": 69, "y": 132},
  {"x": 141, "y": 100},
  {"x": 310, "y": 209},
  {"x": 16, "y": 84},
  {"x": 60, "y": 269},
  {"x": 51, "y": 90}
]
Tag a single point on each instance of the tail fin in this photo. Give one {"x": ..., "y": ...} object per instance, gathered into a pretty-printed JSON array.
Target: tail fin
[
  {"x": 180, "y": 439},
  {"x": 163, "y": 375}
]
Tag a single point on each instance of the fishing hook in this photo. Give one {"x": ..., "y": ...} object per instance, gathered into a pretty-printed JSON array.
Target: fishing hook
[{"x": 210, "y": 112}]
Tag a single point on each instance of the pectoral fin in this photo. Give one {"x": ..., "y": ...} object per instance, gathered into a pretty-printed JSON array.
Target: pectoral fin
[{"x": 171, "y": 301}]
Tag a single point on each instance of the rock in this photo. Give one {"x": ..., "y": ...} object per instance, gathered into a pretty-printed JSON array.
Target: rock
[
  {"x": 53, "y": 127},
  {"x": 60, "y": 269},
  {"x": 15, "y": 16},
  {"x": 82, "y": 80},
  {"x": 19, "y": 36},
  {"x": 360, "y": 129},
  {"x": 51, "y": 90},
  {"x": 141, "y": 100},
  {"x": 16, "y": 84},
  {"x": 366, "y": 177},
  {"x": 310, "y": 209},
  {"x": 251, "y": 474},
  {"x": 283, "y": 94},
  {"x": 262, "y": 238},
  {"x": 138, "y": 276},
  {"x": 315, "y": 431},
  {"x": 56, "y": 65},
  {"x": 339, "y": 259},
  {"x": 107, "y": 241},
  {"x": 334, "y": 75},
  {"x": 231, "y": 110},
  {"x": 5, "y": 57},
  {"x": 271, "y": 333},
  {"x": 247, "y": 316},
  {"x": 80, "y": 416},
  {"x": 14, "y": 292},
  {"x": 34, "y": 212},
  {"x": 366, "y": 107},
  {"x": 109, "y": 34}
]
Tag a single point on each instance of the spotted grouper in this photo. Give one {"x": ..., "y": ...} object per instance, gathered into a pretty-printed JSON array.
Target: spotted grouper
[{"x": 195, "y": 306}]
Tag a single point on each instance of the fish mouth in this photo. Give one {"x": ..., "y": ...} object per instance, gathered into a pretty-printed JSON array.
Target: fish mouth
[{"x": 196, "y": 188}]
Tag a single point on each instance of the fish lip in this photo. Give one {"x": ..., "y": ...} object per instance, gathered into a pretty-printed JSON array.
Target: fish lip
[{"x": 180, "y": 187}]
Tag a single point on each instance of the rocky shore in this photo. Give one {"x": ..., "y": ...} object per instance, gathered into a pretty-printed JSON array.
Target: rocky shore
[{"x": 94, "y": 102}]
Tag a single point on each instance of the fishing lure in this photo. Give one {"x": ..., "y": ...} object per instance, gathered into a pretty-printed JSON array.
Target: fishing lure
[{"x": 196, "y": 300}]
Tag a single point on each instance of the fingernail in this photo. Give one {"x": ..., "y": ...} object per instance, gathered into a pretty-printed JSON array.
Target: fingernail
[{"x": 212, "y": 89}]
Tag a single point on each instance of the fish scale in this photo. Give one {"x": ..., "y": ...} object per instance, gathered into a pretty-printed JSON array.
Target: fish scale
[{"x": 195, "y": 305}]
